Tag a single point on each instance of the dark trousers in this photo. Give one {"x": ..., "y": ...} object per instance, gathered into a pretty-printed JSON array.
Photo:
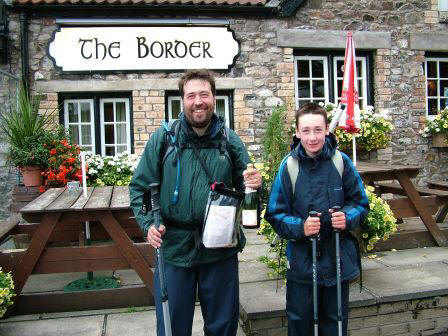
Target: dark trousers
[
  {"x": 217, "y": 287},
  {"x": 300, "y": 313}
]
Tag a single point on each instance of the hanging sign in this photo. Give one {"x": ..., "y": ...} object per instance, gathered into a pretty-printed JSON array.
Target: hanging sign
[{"x": 90, "y": 49}]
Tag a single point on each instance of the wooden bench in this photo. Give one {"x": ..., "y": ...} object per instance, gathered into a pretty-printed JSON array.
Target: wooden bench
[
  {"x": 7, "y": 226},
  {"x": 438, "y": 184},
  {"x": 435, "y": 200}
]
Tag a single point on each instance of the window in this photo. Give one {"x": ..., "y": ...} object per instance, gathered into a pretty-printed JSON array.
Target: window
[
  {"x": 436, "y": 71},
  {"x": 318, "y": 78},
  {"x": 443, "y": 6},
  {"x": 100, "y": 123},
  {"x": 222, "y": 107}
]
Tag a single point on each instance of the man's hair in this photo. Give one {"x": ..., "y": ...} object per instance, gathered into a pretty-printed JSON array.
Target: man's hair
[
  {"x": 311, "y": 108},
  {"x": 202, "y": 74}
]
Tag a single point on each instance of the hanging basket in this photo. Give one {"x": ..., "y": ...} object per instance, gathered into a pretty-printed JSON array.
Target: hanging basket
[
  {"x": 32, "y": 176},
  {"x": 439, "y": 140}
]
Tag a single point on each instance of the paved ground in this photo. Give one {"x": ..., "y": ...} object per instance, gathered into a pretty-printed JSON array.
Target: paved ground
[{"x": 391, "y": 276}]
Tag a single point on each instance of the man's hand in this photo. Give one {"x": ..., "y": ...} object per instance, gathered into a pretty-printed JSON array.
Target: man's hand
[
  {"x": 252, "y": 179},
  {"x": 155, "y": 237},
  {"x": 338, "y": 220},
  {"x": 311, "y": 226}
]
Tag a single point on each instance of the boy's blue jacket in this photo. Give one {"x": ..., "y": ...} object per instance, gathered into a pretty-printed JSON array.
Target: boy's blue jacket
[{"x": 319, "y": 187}]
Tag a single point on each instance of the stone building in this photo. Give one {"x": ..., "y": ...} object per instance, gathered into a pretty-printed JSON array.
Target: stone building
[{"x": 287, "y": 52}]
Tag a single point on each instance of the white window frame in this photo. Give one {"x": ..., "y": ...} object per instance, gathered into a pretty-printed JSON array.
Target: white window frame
[
  {"x": 362, "y": 94},
  {"x": 103, "y": 123},
  {"x": 67, "y": 124},
  {"x": 221, "y": 97},
  {"x": 438, "y": 79},
  {"x": 296, "y": 78}
]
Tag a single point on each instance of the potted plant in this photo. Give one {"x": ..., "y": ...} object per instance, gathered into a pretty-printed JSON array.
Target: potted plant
[
  {"x": 26, "y": 134},
  {"x": 63, "y": 163},
  {"x": 437, "y": 128},
  {"x": 6, "y": 291}
]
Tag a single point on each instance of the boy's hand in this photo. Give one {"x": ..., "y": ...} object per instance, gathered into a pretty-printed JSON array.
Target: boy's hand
[
  {"x": 252, "y": 179},
  {"x": 338, "y": 220},
  {"x": 155, "y": 236},
  {"x": 312, "y": 226}
]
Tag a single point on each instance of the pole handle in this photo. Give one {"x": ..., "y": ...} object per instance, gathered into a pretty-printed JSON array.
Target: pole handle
[{"x": 336, "y": 208}]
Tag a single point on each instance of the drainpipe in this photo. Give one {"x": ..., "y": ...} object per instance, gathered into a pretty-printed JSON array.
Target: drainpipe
[{"x": 24, "y": 49}]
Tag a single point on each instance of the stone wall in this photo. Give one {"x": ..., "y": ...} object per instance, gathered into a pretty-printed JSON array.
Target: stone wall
[
  {"x": 398, "y": 79},
  {"x": 422, "y": 317}
]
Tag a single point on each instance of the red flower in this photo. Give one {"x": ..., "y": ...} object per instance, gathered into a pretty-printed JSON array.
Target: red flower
[
  {"x": 41, "y": 188},
  {"x": 53, "y": 151}
]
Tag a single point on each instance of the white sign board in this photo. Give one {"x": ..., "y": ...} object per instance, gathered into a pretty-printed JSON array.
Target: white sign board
[{"x": 88, "y": 49}]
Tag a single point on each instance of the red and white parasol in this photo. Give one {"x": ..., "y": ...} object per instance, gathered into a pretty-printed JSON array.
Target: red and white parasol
[{"x": 349, "y": 114}]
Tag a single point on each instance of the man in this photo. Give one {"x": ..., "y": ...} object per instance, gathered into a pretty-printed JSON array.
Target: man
[
  {"x": 188, "y": 266},
  {"x": 320, "y": 185}
]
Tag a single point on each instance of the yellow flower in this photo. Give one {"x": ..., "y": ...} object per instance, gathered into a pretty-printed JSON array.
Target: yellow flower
[{"x": 369, "y": 247}]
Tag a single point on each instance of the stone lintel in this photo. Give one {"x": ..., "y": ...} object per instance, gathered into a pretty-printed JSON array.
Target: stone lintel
[
  {"x": 132, "y": 84},
  {"x": 331, "y": 39},
  {"x": 429, "y": 41}
]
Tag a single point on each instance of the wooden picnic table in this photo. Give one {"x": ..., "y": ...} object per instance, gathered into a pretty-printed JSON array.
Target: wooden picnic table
[
  {"x": 414, "y": 204},
  {"x": 59, "y": 215}
]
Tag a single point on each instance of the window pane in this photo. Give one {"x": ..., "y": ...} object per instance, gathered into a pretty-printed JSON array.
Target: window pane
[
  {"x": 220, "y": 107},
  {"x": 175, "y": 108},
  {"x": 432, "y": 69},
  {"x": 443, "y": 69},
  {"x": 121, "y": 133},
  {"x": 359, "y": 69},
  {"x": 86, "y": 135},
  {"x": 304, "y": 89},
  {"x": 121, "y": 111},
  {"x": 444, "y": 88},
  {"x": 339, "y": 67},
  {"x": 318, "y": 88},
  {"x": 74, "y": 133},
  {"x": 85, "y": 112},
  {"x": 432, "y": 88},
  {"x": 72, "y": 112},
  {"x": 339, "y": 88},
  {"x": 318, "y": 68},
  {"x": 110, "y": 151},
  {"x": 109, "y": 137},
  {"x": 121, "y": 149},
  {"x": 443, "y": 103},
  {"x": 303, "y": 102},
  {"x": 87, "y": 148},
  {"x": 360, "y": 87},
  {"x": 108, "y": 112},
  {"x": 303, "y": 69},
  {"x": 432, "y": 107}
]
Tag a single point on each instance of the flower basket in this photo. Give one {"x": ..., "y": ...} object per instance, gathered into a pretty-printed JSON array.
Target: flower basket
[
  {"x": 32, "y": 176},
  {"x": 439, "y": 140}
]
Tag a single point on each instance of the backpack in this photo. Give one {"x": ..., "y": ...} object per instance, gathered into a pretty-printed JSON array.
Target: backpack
[
  {"x": 292, "y": 164},
  {"x": 171, "y": 141}
]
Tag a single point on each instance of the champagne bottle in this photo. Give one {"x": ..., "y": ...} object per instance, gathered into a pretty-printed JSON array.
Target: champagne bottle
[{"x": 249, "y": 207}]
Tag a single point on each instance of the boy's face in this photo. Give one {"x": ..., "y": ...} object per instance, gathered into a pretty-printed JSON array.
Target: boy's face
[{"x": 311, "y": 130}]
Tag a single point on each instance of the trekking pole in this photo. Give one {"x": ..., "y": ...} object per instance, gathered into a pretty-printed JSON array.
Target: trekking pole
[
  {"x": 314, "y": 250},
  {"x": 164, "y": 293},
  {"x": 336, "y": 208}
]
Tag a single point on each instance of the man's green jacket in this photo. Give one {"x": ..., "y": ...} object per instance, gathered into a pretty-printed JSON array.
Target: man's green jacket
[{"x": 184, "y": 219}]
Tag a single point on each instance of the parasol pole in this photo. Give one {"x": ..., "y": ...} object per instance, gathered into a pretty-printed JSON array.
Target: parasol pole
[
  {"x": 84, "y": 194},
  {"x": 354, "y": 149}
]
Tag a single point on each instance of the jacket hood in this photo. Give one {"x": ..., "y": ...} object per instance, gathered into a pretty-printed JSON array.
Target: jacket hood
[
  {"x": 330, "y": 145},
  {"x": 216, "y": 124}
]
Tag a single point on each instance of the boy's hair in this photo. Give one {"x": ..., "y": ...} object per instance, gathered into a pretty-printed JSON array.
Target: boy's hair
[
  {"x": 311, "y": 108},
  {"x": 202, "y": 74}
]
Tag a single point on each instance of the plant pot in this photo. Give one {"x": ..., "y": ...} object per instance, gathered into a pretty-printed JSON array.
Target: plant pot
[
  {"x": 439, "y": 140},
  {"x": 32, "y": 176}
]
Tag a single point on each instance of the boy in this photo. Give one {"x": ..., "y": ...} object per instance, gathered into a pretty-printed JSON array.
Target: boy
[{"x": 319, "y": 187}]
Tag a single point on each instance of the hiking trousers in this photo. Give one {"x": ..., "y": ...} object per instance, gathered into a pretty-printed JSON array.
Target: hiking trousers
[
  {"x": 217, "y": 287},
  {"x": 299, "y": 309}
]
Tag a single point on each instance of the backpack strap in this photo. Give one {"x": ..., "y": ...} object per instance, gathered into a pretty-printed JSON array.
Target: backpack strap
[
  {"x": 294, "y": 168},
  {"x": 171, "y": 138}
]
